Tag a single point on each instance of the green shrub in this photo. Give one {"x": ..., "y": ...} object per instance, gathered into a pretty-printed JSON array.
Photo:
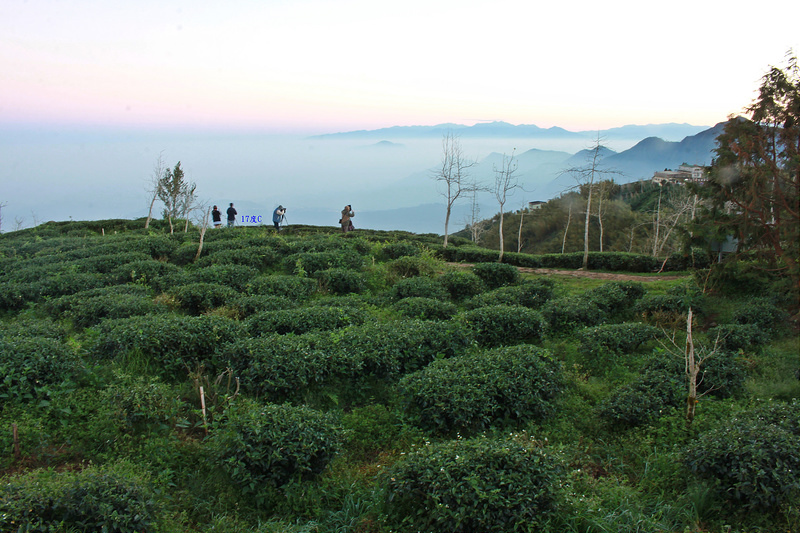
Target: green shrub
[
  {"x": 505, "y": 324},
  {"x": 469, "y": 486},
  {"x": 33, "y": 328},
  {"x": 234, "y": 276},
  {"x": 643, "y": 400},
  {"x": 145, "y": 272},
  {"x": 529, "y": 293},
  {"x": 282, "y": 367},
  {"x": 141, "y": 404},
  {"x": 411, "y": 266},
  {"x": 420, "y": 287},
  {"x": 291, "y": 287},
  {"x": 616, "y": 297},
  {"x": 765, "y": 315},
  {"x": 471, "y": 393},
  {"x": 396, "y": 250},
  {"x": 170, "y": 343},
  {"x": 497, "y": 274},
  {"x": 108, "y": 499},
  {"x": 370, "y": 430},
  {"x": 425, "y": 308},
  {"x": 32, "y": 368},
  {"x": 602, "y": 345},
  {"x": 392, "y": 348},
  {"x": 185, "y": 253},
  {"x": 199, "y": 297},
  {"x": 274, "y": 444},
  {"x": 462, "y": 284},
  {"x": 736, "y": 337},
  {"x": 311, "y": 262},
  {"x": 662, "y": 385},
  {"x": 303, "y": 320},
  {"x": 250, "y": 305},
  {"x": 565, "y": 315},
  {"x": 340, "y": 281},
  {"x": 258, "y": 257},
  {"x": 754, "y": 458}
]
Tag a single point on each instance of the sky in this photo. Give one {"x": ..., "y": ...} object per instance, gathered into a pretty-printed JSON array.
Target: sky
[{"x": 323, "y": 66}]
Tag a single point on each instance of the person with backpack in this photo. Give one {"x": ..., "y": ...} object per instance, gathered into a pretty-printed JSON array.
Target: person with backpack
[{"x": 347, "y": 214}]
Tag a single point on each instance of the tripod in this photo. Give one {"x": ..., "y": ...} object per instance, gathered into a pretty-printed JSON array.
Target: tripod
[{"x": 284, "y": 222}]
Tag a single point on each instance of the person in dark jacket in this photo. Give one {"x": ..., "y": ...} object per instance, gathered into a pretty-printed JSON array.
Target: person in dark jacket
[
  {"x": 231, "y": 216},
  {"x": 216, "y": 216}
]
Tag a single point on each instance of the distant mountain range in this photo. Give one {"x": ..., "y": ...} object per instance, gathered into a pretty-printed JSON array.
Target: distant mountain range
[
  {"x": 487, "y": 130},
  {"x": 542, "y": 172}
]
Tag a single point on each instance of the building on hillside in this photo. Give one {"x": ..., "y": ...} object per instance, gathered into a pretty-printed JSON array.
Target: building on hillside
[
  {"x": 536, "y": 204},
  {"x": 685, "y": 173}
]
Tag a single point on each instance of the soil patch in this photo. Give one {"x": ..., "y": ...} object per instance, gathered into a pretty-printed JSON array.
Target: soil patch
[{"x": 611, "y": 276}]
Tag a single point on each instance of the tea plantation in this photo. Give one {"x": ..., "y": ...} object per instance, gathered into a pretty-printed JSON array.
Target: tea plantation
[{"x": 374, "y": 382}]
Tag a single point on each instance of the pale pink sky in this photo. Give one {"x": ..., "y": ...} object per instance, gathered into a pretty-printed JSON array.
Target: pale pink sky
[{"x": 317, "y": 66}]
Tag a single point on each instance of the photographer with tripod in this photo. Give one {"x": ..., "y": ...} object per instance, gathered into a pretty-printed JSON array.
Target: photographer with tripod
[{"x": 278, "y": 216}]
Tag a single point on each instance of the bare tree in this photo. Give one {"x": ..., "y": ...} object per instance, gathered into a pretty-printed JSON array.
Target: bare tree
[
  {"x": 453, "y": 173},
  {"x": 18, "y": 223},
  {"x": 159, "y": 168},
  {"x": 694, "y": 357},
  {"x": 2, "y": 205},
  {"x": 519, "y": 233},
  {"x": 505, "y": 184},
  {"x": 588, "y": 175},
  {"x": 188, "y": 203},
  {"x": 566, "y": 228},
  {"x": 204, "y": 212}
]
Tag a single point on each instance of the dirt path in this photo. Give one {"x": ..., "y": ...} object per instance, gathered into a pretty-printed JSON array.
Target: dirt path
[{"x": 586, "y": 274}]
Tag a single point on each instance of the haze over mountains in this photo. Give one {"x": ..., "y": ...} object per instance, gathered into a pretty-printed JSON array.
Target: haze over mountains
[{"x": 385, "y": 174}]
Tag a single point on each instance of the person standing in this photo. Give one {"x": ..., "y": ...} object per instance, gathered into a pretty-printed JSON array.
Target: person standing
[
  {"x": 231, "y": 215},
  {"x": 277, "y": 216},
  {"x": 216, "y": 216},
  {"x": 347, "y": 214}
]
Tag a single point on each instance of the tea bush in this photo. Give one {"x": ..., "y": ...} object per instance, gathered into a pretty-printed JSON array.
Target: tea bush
[
  {"x": 246, "y": 306},
  {"x": 291, "y": 287},
  {"x": 311, "y": 262},
  {"x": 32, "y": 328},
  {"x": 471, "y": 393},
  {"x": 303, "y": 320},
  {"x": 567, "y": 314},
  {"x": 234, "y": 276},
  {"x": 753, "y": 458},
  {"x": 736, "y": 337},
  {"x": 420, "y": 287},
  {"x": 529, "y": 293},
  {"x": 643, "y": 400},
  {"x": 396, "y": 250},
  {"x": 140, "y": 404},
  {"x": 765, "y": 315},
  {"x": 462, "y": 284},
  {"x": 199, "y": 297},
  {"x": 615, "y": 298},
  {"x": 409, "y": 266},
  {"x": 32, "y": 367},
  {"x": 340, "y": 281},
  {"x": 602, "y": 345},
  {"x": 145, "y": 272},
  {"x": 466, "y": 486},
  {"x": 425, "y": 308},
  {"x": 505, "y": 324},
  {"x": 497, "y": 274},
  {"x": 274, "y": 444},
  {"x": 258, "y": 257},
  {"x": 282, "y": 367},
  {"x": 92, "y": 310},
  {"x": 388, "y": 349},
  {"x": 170, "y": 343},
  {"x": 112, "y": 499}
]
